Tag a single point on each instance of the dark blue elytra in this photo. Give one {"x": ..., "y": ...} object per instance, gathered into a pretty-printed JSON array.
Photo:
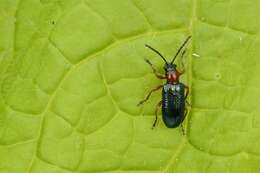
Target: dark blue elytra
[{"x": 173, "y": 104}]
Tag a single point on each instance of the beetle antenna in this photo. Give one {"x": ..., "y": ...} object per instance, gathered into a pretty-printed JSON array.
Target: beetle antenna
[
  {"x": 156, "y": 51},
  {"x": 179, "y": 50}
]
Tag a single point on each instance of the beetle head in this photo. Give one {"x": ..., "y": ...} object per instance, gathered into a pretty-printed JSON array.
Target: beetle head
[{"x": 170, "y": 67}]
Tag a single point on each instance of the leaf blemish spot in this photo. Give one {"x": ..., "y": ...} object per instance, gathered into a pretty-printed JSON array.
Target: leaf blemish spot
[
  {"x": 240, "y": 39},
  {"x": 217, "y": 76}
]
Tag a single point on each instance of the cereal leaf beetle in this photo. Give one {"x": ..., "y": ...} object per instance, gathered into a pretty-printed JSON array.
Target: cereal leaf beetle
[{"x": 174, "y": 93}]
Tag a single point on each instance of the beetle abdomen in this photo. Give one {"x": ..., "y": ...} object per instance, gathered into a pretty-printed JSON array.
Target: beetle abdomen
[{"x": 173, "y": 105}]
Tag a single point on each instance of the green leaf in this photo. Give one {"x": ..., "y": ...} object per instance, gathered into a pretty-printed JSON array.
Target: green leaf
[{"x": 73, "y": 71}]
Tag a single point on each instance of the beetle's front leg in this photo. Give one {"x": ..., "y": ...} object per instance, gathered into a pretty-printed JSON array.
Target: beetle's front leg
[
  {"x": 156, "y": 113},
  {"x": 182, "y": 64},
  {"x": 149, "y": 94},
  {"x": 158, "y": 75}
]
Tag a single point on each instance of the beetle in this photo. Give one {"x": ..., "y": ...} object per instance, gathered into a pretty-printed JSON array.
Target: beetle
[{"x": 174, "y": 93}]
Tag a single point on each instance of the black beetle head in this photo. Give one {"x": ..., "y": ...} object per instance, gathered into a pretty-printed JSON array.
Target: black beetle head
[{"x": 170, "y": 67}]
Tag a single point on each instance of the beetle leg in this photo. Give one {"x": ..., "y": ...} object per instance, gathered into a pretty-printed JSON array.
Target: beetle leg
[
  {"x": 182, "y": 128},
  {"x": 188, "y": 103},
  {"x": 182, "y": 64},
  {"x": 186, "y": 95},
  {"x": 158, "y": 75},
  {"x": 149, "y": 94},
  {"x": 187, "y": 92},
  {"x": 156, "y": 113}
]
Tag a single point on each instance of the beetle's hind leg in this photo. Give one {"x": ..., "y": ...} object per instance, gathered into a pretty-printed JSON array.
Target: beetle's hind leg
[
  {"x": 156, "y": 113},
  {"x": 182, "y": 128}
]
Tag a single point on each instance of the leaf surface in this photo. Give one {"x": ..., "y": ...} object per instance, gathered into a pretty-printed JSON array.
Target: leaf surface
[{"x": 72, "y": 73}]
